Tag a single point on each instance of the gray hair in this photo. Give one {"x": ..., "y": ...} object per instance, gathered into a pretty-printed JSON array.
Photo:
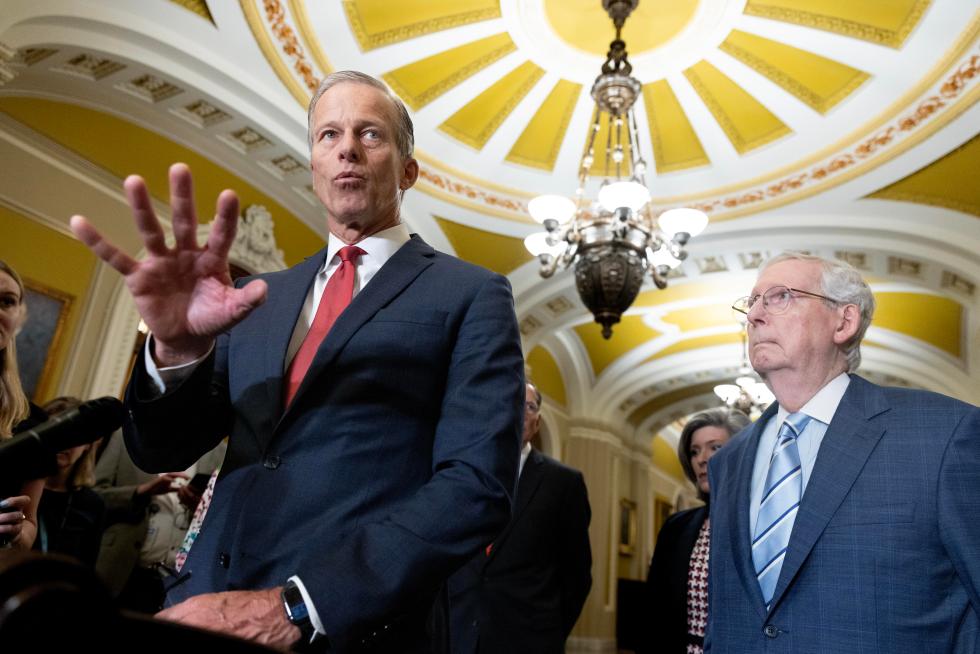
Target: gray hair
[
  {"x": 731, "y": 420},
  {"x": 404, "y": 130},
  {"x": 842, "y": 282}
]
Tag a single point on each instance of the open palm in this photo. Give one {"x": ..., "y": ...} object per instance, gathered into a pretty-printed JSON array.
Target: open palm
[{"x": 184, "y": 293}]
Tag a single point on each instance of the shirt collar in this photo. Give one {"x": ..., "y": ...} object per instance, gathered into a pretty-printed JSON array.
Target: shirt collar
[
  {"x": 823, "y": 405},
  {"x": 380, "y": 246}
]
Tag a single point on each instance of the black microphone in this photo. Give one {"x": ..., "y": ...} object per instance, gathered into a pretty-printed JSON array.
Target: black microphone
[{"x": 32, "y": 453}]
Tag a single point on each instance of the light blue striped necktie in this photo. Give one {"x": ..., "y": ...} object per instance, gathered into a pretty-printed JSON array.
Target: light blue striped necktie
[{"x": 780, "y": 501}]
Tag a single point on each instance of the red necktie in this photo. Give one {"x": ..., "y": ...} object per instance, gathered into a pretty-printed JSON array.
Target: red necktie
[{"x": 336, "y": 296}]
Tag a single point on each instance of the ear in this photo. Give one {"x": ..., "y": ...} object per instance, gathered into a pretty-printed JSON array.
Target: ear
[
  {"x": 410, "y": 174},
  {"x": 848, "y": 323}
]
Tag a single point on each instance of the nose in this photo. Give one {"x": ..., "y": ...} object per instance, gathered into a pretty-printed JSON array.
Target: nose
[
  {"x": 350, "y": 147},
  {"x": 757, "y": 313}
]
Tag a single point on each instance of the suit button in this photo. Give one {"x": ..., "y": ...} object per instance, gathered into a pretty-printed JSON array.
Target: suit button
[
  {"x": 224, "y": 560},
  {"x": 771, "y": 631},
  {"x": 272, "y": 462}
]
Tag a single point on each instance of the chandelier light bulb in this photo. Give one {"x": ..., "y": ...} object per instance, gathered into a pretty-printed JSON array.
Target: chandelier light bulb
[
  {"x": 537, "y": 244},
  {"x": 689, "y": 221},
  {"x": 632, "y": 195},
  {"x": 663, "y": 257},
  {"x": 555, "y": 207}
]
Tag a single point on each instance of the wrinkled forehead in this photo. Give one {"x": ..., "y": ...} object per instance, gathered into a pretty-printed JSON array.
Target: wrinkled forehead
[
  {"x": 793, "y": 273},
  {"x": 363, "y": 100}
]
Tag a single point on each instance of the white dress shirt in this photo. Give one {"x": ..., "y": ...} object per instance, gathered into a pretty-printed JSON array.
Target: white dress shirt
[{"x": 821, "y": 408}]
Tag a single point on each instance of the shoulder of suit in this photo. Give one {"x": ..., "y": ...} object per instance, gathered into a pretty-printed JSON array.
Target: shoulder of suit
[{"x": 556, "y": 467}]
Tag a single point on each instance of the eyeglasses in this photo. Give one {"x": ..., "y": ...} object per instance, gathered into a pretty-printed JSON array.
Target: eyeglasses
[{"x": 776, "y": 300}]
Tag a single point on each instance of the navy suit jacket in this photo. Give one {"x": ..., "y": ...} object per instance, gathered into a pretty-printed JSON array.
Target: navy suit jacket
[
  {"x": 885, "y": 550},
  {"x": 527, "y": 594},
  {"x": 393, "y": 464}
]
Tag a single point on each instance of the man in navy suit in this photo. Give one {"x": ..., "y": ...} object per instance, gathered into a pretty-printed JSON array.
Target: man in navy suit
[
  {"x": 848, "y": 517},
  {"x": 372, "y": 395},
  {"x": 525, "y": 592}
]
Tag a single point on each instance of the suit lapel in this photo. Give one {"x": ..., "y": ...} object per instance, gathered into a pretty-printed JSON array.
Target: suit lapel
[
  {"x": 849, "y": 441},
  {"x": 527, "y": 486},
  {"x": 397, "y": 273},
  {"x": 741, "y": 539},
  {"x": 286, "y": 298}
]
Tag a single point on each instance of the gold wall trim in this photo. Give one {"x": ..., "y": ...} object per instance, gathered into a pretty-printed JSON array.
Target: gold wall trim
[
  {"x": 470, "y": 197},
  {"x": 199, "y": 7},
  {"x": 369, "y": 41},
  {"x": 663, "y": 109},
  {"x": 436, "y": 164},
  {"x": 268, "y": 48},
  {"x": 866, "y": 155},
  {"x": 864, "y": 31},
  {"x": 305, "y": 28},
  {"x": 275, "y": 15}
]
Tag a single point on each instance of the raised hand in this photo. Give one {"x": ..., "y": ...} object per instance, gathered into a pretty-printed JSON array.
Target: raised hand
[{"x": 184, "y": 294}]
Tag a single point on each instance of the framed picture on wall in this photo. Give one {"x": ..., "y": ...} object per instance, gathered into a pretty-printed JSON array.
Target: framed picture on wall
[
  {"x": 627, "y": 527},
  {"x": 38, "y": 340}
]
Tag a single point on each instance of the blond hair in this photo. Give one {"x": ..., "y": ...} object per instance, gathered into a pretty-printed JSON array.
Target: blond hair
[
  {"x": 83, "y": 472},
  {"x": 14, "y": 406}
]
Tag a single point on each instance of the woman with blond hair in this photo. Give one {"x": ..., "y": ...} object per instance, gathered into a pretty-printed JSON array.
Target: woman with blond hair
[{"x": 18, "y": 501}]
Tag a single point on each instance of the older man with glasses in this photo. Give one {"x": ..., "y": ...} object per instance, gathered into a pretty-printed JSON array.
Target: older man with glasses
[{"x": 850, "y": 524}]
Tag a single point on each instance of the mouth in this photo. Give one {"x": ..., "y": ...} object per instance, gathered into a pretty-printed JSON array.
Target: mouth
[{"x": 348, "y": 177}]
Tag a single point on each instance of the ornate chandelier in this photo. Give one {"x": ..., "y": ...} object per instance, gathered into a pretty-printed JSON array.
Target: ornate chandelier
[{"x": 614, "y": 241}]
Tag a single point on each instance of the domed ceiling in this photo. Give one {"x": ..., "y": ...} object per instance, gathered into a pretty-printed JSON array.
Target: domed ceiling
[{"x": 847, "y": 129}]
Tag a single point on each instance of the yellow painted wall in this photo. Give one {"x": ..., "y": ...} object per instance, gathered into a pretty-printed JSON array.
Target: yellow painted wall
[
  {"x": 122, "y": 148},
  {"x": 53, "y": 260}
]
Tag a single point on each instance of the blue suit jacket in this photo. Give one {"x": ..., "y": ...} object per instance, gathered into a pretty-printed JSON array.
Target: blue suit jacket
[
  {"x": 391, "y": 467},
  {"x": 885, "y": 551}
]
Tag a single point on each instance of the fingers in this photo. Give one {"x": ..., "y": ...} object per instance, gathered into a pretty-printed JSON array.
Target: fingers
[
  {"x": 146, "y": 219},
  {"x": 15, "y": 503},
  {"x": 183, "y": 212},
  {"x": 225, "y": 224},
  {"x": 248, "y": 297},
  {"x": 102, "y": 248}
]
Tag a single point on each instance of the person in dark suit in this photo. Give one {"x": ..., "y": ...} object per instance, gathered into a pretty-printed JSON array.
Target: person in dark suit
[
  {"x": 849, "y": 518},
  {"x": 526, "y": 590},
  {"x": 675, "y": 607},
  {"x": 371, "y": 395}
]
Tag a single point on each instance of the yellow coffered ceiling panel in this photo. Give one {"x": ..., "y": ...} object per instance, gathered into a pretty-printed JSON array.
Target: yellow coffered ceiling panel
[
  {"x": 647, "y": 409},
  {"x": 540, "y": 142},
  {"x": 700, "y": 317},
  {"x": 423, "y": 81},
  {"x": 631, "y": 332},
  {"x": 950, "y": 182},
  {"x": 376, "y": 22},
  {"x": 931, "y": 318},
  {"x": 199, "y": 7},
  {"x": 585, "y": 25},
  {"x": 476, "y": 122},
  {"x": 745, "y": 121},
  {"x": 676, "y": 145},
  {"x": 816, "y": 80},
  {"x": 886, "y": 22},
  {"x": 696, "y": 343},
  {"x": 499, "y": 253},
  {"x": 546, "y": 375}
]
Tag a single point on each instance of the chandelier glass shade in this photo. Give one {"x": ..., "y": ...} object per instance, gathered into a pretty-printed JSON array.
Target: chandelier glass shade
[{"x": 614, "y": 242}]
